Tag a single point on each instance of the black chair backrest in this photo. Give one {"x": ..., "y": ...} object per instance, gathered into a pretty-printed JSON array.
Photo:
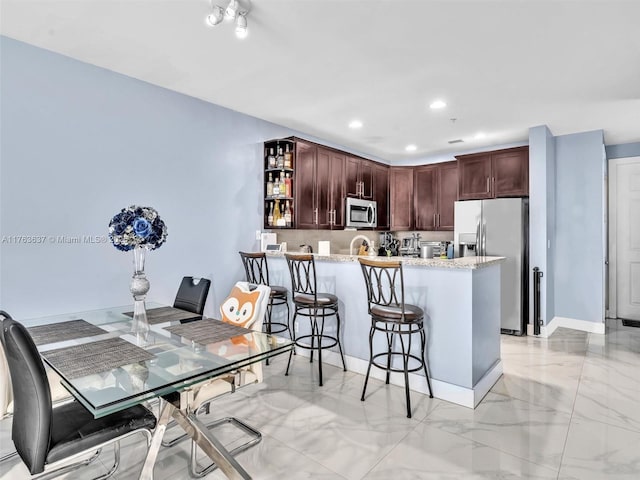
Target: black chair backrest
[
  {"x": 192, "y": 294},
  {"x": 32, "y": 411},
  {"x": 255, "y": 267},
  {"x": 303, "y": 274},
  {"x": 383, "y": 280}
]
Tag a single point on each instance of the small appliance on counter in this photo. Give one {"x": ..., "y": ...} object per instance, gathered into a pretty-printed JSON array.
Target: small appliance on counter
[{"x": 267, "y": 239}]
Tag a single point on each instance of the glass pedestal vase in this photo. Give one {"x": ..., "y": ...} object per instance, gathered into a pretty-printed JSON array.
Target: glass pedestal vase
[{"x": 139, "y": 288}]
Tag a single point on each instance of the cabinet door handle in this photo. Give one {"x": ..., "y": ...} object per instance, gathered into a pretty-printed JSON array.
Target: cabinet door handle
[
  {"x": 494, "y": 184},
  {"x": 487, "y": 184},
  {"x": 315, "y": 216},
  {"x": 334, "y": 216},
  {"x": 438, "y": 220},
  {"x": 434, "y": 220}
]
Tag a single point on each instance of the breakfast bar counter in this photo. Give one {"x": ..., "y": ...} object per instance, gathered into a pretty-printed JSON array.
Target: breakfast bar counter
[{"x": 461, "y": 301}]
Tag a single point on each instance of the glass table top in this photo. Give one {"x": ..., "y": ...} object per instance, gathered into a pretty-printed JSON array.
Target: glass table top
[{"x": 165, "y": 363}]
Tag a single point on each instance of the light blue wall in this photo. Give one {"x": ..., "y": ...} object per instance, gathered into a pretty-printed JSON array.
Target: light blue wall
[
  {"x": 623, "y": 150},
  {"x": 579, "y": 259},
  {"x": 542, "y": 217},
  {"x": 78, "y": 143}
]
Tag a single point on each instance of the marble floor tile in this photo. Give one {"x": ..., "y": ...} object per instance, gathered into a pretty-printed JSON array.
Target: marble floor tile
[
  {"x": 556, "y": 394},
  {"x": 341, "y": 432},
  {"x": 528, "y": 431},
  {"x": 389, "y": 397},
  {"x": 431, "y": 453},
  {"x": 598, "y": 451}
]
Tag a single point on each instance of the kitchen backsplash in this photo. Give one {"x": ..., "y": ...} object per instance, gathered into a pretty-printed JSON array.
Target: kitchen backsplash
[{"x": 340, "y": 239}]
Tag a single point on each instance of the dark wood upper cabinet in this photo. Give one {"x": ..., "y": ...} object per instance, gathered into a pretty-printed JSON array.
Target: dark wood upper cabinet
[
  {"x": 435, "y": 191},
  {"x": 381, "y": 194},
  {"x": 359, "y": 177},
  {"x": 511, "y": 173},
  {"x": 330, "y": 185},
  {"x": 305, "y": 186},
  {"x": 474, "y": 177},
  {"x": 425, "y": 197},
  {"x": 447, "y": 194},
  {"x": 501, "y": 173},
  {"x": 401, "y": 198}
]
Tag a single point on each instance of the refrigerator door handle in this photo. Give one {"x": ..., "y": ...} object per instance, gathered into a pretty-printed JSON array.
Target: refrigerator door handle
[
  {"x": 484, "y": 239},
  {"x": 478, "y": 238}
]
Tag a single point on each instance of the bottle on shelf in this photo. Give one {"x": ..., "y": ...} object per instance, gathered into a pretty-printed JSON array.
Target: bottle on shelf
[
  {"x": 287, "y": 186},
  {"x": 275, "y": 191},
  {"x": 283, "y": 185},
  {"x": 280, "y": 158},
  {"x": 277, "y": 216},
  {"x": 271, "y": 159},
  {"x": 270, "y": 186},
  {"x": 288, "y": 158},
  {"x": 270, "y": 216},
  {"x": 287, "y": 214}
]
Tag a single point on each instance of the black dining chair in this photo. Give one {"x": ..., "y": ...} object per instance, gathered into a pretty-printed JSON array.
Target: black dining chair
[
  {"x": 192, "y": 295},
  {"x": 314, "y": 305},
  {"x": 47, "y": 438},
  {"x": 396, "y": 320}
]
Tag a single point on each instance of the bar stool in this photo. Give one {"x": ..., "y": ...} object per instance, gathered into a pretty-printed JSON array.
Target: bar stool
[
  {"x": 396, "y": 319},
  {"x": 257, "y": 272},
  {"x": 308, "y": 302}
]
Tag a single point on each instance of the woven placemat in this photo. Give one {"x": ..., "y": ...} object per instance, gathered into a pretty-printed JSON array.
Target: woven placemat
[
  {"x": 95, "y": 357},
  {"x": 208, "y": 331},
  {"x": 166, "y": 314},
  {"x": 59, "y": 332}
]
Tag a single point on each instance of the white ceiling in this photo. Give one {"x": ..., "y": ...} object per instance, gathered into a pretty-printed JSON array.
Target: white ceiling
[{"x": 314, "y": 65}]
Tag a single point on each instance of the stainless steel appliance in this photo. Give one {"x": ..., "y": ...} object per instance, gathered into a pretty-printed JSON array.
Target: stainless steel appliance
[
  {"x": 500, "y": 227},
  {"x": 361, "y": 213}
]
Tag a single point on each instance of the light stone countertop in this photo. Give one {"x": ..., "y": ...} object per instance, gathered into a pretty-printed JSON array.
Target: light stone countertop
[{"x": 468, "y": 263}]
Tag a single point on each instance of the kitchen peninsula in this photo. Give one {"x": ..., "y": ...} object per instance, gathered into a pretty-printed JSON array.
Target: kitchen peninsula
[{"x": 461, "y": 300}]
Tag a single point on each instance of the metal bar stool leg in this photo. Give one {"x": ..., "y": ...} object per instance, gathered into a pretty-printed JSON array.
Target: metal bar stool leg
[
  {"x": 424, "y": 360},
  {"x": 269, "y": 310},
  {"x": 344, "y": 365},
  {"x": 319, "y": 333},
  {"x": 390, "y": 337},
  {"x": 405, "y": 359},
  {"x": 291, "y": 351},
  {"x": 366, "y": 378}
]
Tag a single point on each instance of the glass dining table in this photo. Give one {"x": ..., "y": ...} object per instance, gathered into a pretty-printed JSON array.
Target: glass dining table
[{"x": 109, "y": 362}]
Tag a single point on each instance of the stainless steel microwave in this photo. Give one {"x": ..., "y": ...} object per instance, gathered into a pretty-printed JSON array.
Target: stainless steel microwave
[{"x": 361, "y": 213}]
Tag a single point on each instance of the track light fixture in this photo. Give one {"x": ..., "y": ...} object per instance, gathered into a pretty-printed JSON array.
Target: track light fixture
[{"x": 236, "y": 10}]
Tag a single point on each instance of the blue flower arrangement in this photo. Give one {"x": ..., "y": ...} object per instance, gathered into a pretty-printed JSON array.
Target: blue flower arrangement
[{"x": 137, "y": 226}]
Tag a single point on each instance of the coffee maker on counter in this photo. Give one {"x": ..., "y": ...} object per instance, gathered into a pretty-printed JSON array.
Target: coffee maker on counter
[{"x": 389, "y": 246}]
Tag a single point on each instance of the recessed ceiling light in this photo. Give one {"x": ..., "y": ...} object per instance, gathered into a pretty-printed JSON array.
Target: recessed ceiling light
[
  {"x": 355, "y": 124},
  {"x": 411, "y": 148},
  {"x": 437, "y": 104},
  {"x": 480, "y": 136}
]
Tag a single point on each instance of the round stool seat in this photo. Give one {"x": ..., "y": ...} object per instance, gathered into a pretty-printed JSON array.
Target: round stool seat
[
  {"x": 389, "y": 313},
  {"x": 278, "y": 292},
  {"x": 323, "y": 299}
]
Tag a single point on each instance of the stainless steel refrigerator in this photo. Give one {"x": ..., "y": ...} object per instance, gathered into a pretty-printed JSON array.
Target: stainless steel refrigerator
[{"x": 499, "y": 227}]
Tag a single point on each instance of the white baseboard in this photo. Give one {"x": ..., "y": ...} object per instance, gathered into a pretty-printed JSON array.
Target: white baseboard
[
  {"x": 467, "y": 397},
  {"x": 583, "y": 325}
]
